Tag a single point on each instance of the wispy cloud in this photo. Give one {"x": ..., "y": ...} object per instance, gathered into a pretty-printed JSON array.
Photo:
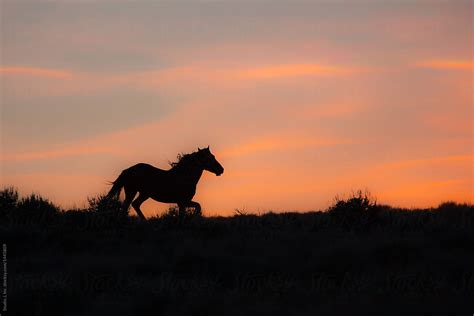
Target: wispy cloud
[
  {"x": 446, "y": 64},
  {"x": 37, "y": 72},
  {"x": 56, "y": 153},
  {"x": 330, "y": 110},
  {"x": 404, "y": 164},
  {"x": 222, "y": 76},
  {"x": 281, "y": 143},
  {"x": 228, "y": 75},
  {"x": 295, "y": 70}
]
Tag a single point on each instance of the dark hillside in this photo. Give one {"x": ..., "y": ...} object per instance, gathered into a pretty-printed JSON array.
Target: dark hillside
[{"x": 355, "y": 258}]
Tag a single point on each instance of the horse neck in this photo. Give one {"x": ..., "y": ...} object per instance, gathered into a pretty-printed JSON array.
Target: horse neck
[{"x": 192, "y": 174}]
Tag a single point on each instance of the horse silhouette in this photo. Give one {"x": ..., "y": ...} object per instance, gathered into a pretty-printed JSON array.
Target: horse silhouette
[{"x": 176, "y": 185}]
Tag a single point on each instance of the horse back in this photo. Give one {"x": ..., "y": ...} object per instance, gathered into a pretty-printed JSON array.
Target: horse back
[
  {"x": 144, "y": 170},
  {"x": 143, "y": 177}
]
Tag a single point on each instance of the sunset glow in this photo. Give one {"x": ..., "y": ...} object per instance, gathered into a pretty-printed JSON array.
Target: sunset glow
[{"x": 299, "y": 102}]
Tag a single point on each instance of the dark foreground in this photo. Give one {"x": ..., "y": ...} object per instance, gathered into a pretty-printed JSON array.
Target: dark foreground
[{"x": 358, "y": 258}]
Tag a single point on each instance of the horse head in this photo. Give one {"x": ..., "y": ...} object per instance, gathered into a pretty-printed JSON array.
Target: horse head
[{"x": 208, "y": 161}]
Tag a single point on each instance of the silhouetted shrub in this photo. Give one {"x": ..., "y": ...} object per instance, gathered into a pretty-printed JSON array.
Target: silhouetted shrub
[
  {"x": 35, "y": 208},
  {"x": 451, "y": 206},
  {"x": 105, "y": 204},
  {"x": 360, "y": 202},
  {"x": 455, "y": 215},
  {"x": 106, "y": 211},
  {"x": 358, "y": 211},
  {"x": 8, "y": 200}
]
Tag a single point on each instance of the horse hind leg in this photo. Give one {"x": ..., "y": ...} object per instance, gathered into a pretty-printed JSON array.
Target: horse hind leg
[
  {"x": 138, "y": 202},
  {"x": 129, "y": 196}
]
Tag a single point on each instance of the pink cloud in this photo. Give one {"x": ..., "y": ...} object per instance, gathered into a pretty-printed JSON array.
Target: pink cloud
[
  {"x": 295, "y": 70},
  {"x": 68, "y": 151},
  {"x": 280, "y": 142},
  {"x": 445, "y": 64},
  {"x": 36, "y": 72},
  {"x": 194, "y": 76},
  {"x": 416, "y": 163}
]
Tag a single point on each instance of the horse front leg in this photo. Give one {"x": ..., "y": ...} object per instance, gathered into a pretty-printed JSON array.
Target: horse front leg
[
  {"x": 196, "y": 206},
  {"x": 184, "y": 205},
  {"x": 181, "y": 212}
]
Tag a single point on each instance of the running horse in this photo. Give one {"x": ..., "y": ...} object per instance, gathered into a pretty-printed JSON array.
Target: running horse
[{"x": 176, "y": 185}]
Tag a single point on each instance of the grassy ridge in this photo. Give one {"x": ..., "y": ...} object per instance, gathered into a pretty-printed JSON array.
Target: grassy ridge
[{"x": 355, "y": 257}]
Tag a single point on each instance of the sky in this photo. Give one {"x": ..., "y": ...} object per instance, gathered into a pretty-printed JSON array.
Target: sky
[{"x": 299, "y": 101}]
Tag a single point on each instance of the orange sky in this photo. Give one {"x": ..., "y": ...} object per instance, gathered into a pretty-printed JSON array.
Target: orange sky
[{"x": 299, "y": 102}]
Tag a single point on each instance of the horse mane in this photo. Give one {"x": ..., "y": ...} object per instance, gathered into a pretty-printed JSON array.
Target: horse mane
[{"x": 183, "y": 159}]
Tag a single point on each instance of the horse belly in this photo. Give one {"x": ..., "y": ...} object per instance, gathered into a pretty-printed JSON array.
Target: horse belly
[
  {"x": 171, "y": 195},
  {"x": 164, "y": 198}
]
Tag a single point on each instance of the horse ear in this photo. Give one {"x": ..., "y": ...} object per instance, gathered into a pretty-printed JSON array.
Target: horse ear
[
  {"x": 199, "y": 149},
  {"x": 207, "y": 146}
]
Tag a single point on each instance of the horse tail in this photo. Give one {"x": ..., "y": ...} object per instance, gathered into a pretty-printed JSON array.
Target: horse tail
[{"x": 117, "y": 186}]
